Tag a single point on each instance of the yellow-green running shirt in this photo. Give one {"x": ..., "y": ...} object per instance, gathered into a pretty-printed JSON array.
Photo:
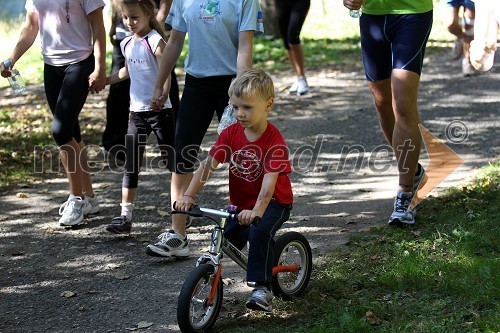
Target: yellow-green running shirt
[{"x": 383, "y": 7}]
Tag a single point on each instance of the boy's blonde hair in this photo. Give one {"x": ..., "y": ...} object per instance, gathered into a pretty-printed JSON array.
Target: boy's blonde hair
[{"x": 252, "y": 82}]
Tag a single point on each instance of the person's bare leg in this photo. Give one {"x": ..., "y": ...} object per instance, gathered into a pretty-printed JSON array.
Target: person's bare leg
[
  {"x": 454, "y": 26},
  {"x": 396, "y": 104},
  {"x": 406, "y": 138},
  {"x": 469, "y": 16},
  {"x": 179, "y": 185},
  {"x": 382, "y": 96},
  {"x": 128, "y": 195},
  {"x": 69, "y": 154},
  {"x": 296, "y": 55},
  {"x": 85, "y": 171}
]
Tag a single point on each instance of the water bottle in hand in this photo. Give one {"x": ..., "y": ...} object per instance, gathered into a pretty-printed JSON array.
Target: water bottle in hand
[
  {"x": 355, "y": 13},
  {"x": 16, "y": 81},
  {"x": 228, "y": 118}
]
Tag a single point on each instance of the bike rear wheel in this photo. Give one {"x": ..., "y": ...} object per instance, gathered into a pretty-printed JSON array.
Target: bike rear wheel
[
  {"x": 292, "y": 248},
  {"x": 194, "y": 315}
]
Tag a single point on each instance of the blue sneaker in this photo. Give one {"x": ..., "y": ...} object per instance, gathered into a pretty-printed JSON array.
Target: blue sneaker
[{"x": 402, "y": 212}]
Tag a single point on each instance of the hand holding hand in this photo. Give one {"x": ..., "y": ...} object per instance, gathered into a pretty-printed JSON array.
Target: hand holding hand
[
  {"x": 97, "y": 82},
  {"x": 158, "y": 100}
]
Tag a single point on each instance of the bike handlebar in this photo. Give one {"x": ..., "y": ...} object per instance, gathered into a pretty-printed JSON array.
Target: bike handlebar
[{"x": 197, "y": 211}]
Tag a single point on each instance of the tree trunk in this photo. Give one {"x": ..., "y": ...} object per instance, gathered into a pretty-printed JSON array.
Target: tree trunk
[{"x": 270, "y": 21}]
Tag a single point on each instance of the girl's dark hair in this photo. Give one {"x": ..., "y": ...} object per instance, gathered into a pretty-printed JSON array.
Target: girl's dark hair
[{"x": 148, "y": 6}]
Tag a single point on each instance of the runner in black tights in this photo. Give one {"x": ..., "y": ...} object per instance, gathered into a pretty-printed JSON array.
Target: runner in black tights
[{"x": 291, "y": 15}]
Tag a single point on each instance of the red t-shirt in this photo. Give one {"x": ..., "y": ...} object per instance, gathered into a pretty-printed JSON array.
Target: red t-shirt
[{"x": 250, "y": 161}]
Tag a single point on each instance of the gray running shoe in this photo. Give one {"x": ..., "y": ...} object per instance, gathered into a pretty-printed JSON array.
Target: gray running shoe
[
  {"x": 260, "y": 300},
  {"x": 170, "y": 244},
  {"x": 402, "y": 212}
]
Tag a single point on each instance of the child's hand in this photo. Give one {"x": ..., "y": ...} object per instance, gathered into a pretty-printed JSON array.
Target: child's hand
[
  {"x": 158, "y": 100},
  {"x": 246, "y": 217},
  {"x": 184, "y": 203}
]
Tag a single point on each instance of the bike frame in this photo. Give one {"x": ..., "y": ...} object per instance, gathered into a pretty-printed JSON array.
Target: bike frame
[{"x": 220, "y": 245}]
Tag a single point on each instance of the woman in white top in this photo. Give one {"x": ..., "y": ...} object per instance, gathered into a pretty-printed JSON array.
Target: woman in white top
[{"x": 74, "y": 51}]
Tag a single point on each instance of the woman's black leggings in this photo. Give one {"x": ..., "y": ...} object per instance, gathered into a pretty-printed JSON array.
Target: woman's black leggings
[
  {"x": 66, "y": 89},
  {"x": 291, "y": 15}
]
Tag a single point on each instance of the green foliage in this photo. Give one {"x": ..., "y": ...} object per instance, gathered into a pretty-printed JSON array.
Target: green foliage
[{"x": 441, "y": 275}]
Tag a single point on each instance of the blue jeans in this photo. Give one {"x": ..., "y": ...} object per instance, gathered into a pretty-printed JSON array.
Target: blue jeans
[{"x": 261, "y": 238}]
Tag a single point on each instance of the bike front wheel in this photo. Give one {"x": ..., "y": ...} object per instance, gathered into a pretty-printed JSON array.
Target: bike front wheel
[
  {"x": 291, "y": 248},
  {"x": 194, "y": 313}
]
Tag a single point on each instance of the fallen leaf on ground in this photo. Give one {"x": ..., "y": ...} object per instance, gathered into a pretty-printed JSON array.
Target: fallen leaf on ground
[
  {"x": 227, "y": 281},
  {"x": 149, "y": 208},
  {"x": 162, "y": 213},
  {"x": 113, "y": 266},
  {"x": 144, "y": 324},
  {"x": 51, "y": 230},
  {"x": 343, "y": 214},
  {"x": 21, "y": 195},
  {"x": 372, "y": 319},
  {"x": 67, "y": 294}
]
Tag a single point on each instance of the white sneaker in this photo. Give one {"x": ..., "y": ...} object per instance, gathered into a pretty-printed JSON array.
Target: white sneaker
[
  {"x": 293, "y": 88},
  {"x": 91, "y": 205},
  {"x": 302, "y": 87},
  {"x": 72, "y": 211},
  {"x": 467, "y": 69},
  {"x": 170, "y": 244},
  {"x": 260, "y": 300}
]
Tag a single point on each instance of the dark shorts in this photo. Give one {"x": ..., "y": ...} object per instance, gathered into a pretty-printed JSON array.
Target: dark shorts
[
  {"x": 291, "y": 15},
  {"x": 141, "y": 125},
  {"x": 393, "y": 42},
  {"x": 458, "y": 3}
]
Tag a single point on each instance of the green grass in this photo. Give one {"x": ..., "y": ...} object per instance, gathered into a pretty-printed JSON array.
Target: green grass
[{"x": 440, "y": 275}]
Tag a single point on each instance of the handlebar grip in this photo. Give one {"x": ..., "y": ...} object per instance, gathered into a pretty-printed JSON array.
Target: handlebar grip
[{"x": 256, "y": 220}]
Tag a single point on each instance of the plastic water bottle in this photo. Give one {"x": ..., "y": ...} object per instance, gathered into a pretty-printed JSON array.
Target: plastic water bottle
[
  {"x": 228, "y": 118},
  {"x": 355, "y": 13},
  {"x": 16, "y": 81}
]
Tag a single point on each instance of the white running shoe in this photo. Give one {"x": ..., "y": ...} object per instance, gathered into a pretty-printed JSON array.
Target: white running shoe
[
  {"x": 302, "y": 86},
  {"x": 72, "y": 211},
  {"x": 293, "y": 88},
  {"x": 91, "y": 205},
  {"x": 170, "y": 244}
]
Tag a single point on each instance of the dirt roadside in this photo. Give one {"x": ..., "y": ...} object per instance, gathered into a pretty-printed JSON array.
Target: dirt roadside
[{"x": 86, "y": 280}]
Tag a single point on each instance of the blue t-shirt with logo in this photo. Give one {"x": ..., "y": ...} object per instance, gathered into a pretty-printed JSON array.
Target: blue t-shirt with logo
[{"x": 213, "y": 29}]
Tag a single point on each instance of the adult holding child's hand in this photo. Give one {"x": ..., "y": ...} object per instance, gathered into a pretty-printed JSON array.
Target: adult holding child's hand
[{"x": 74, "y": 50}]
